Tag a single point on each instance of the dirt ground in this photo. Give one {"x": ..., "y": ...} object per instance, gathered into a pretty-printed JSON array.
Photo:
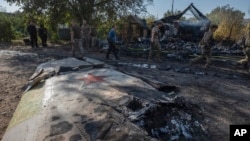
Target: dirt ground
[{"x": 222, "y": 91}]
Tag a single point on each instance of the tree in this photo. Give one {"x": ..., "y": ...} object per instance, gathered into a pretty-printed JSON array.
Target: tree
[
  {"x": 96, "y": 12},
  {"x": 5, "y": 28},
  {"x": 230, "y": 22},
  {"x": 176, "y": 12},
  {"x": 83, "y": 9},
  {"x": 18, "y": 25},
  {"x": 150, "y": 19},
  {"x": 168, "y": 13}
]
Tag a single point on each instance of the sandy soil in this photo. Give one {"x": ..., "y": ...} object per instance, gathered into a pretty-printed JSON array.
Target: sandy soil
[{"x": 222, "y": 91}]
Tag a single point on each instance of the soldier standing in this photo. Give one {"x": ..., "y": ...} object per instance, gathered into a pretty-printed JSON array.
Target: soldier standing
[
  {"x": 246, "y": 48},
  {"x": 112, "y": 38},
  {"x": 206, "y": 45},
  {"x": 93, "y": 38},
  {"x": 33, "y": 34},
  {"x": 86, "y": 34},
  {"x": 155, "y": 41},
  {"x": 76, "y": 38},
  {"x": 43, "y": 34}
]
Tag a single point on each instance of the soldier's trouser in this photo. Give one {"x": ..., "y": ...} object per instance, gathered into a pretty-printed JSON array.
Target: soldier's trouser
[
  {"x": 93, "y": 42},
  {"x": 155, "y": 46},
  {"x": 33, "y": 41},
  {"x": 112, "y": 47},
  {"x": 44, "y": 41},
  {"x": 77, "y": 43},
  {"x": 245, "y": 61},
  {"x": 86, "y": 42},
  {"x": 205, "y": 54}
]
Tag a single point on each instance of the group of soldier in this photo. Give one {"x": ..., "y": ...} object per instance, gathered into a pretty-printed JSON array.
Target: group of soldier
[
  {"x": 81, "y": 36},
  {"x": 206, "y": 44},
  {"x": 42, "y": 32}
]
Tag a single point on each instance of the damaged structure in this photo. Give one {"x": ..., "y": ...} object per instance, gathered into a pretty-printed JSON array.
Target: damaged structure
[
  {"x": 189, "y": 30},
  {"x": 134, "y": 28},
  {"x": 183, "y": 39}
]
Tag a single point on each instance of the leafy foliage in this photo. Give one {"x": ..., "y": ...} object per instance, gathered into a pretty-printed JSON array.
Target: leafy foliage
[
  {"x": 18, "y": 25},
  {"x": 230, "y": 22},
  {"x": 101, "y": 13},
  {"x": 5, "y": 29},
  {"x": 169, "y": 13},
  {"x": 12, "y": 26},
  {"x": 61, "y": 11}
]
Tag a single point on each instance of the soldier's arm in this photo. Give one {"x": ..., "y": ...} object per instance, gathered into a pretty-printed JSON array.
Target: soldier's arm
[
  {"x": 81, "y": 32},
  {"x": 71, "y": 35},
  {"x": 243, "y": 40},
  {"x": 152, "y": 35},
  {"x": 90, "y": 30}
]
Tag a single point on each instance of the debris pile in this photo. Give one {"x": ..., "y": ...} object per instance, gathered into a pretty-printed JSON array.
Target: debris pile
[
  {"x": 177, "y": 48},
  {"x": 173, "y": 121}
]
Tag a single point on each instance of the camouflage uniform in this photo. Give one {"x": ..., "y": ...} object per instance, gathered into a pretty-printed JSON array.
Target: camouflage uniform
[
  {"x": 205, "y": 45},
  {"x": 86, "y": 30},
  {"x": 76, "y": 38},
  {"x": 155, "y": 42},
  {"x": 246, "y": 49}
]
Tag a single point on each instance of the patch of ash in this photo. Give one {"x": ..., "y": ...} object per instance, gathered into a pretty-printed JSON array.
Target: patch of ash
[{"x": 173, "y": 121}]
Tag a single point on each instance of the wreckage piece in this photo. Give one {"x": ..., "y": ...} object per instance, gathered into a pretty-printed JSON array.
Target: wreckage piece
[
  {"x": 43, "y": 72},
  {"x": 99, "y": 104},
  {"x": 64, "y": 109},
  {"x": 38, "y": 79},
  {"x": 37, "y": 73}
]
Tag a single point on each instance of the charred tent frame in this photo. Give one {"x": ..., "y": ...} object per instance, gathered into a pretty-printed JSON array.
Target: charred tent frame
[{"x": 187, "y": 30}]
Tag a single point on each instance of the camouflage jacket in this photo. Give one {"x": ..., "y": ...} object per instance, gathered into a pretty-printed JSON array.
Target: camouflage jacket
[
  {"x": 207, "y": 38},
  {"x": 246, "y": 40},
  {"x": 155, "y": 34},
  {"x": 86, "y": 30}
]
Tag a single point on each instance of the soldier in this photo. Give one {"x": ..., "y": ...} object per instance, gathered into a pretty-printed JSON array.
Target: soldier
[
  {"x": 112, "y": 38},
  {"x": 43, "y": 34},
  {"x": 86, "y": 34},
  {"x": 93, "y": 38},
  {"x": 155, "y": 41},
  {"x": 76, "y": 38},
  {"x": 246, "y": 48},
  {"x": 33, "y": 34},
  {"x": 206, "y": 45}
]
